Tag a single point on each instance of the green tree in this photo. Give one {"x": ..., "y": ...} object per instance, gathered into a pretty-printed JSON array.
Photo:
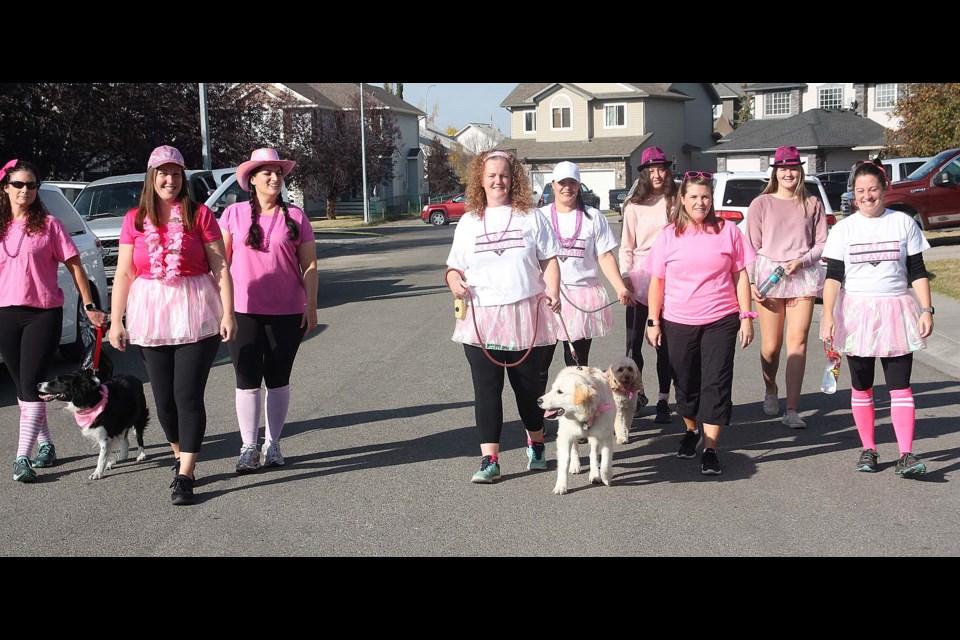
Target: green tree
[
  {"x": 441, "y": 177},
  {"x": 930, "y": 116},
  {"x": 745, "y": 112}
]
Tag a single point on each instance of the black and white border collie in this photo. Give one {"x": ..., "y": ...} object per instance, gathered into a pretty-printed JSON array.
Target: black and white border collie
[{"x": 105, "y": 412}]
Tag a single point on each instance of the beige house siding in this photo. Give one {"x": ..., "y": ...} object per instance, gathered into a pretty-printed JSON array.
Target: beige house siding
[
  {"x": 634, "y": 118},
  {"x": 881, "y": 116},
  {"x": 579, "y": 119},
  {"x": 811, "y": 97},
  {"x": 599, "y": 88},
  {"x": 516, "y": 124}
]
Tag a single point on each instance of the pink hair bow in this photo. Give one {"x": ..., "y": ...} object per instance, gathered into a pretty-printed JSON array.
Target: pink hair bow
[{"x": 6, "y": 167}]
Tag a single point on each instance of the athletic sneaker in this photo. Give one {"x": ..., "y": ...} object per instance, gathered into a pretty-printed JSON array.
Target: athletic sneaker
[
  {"x": 536, "y": 456},
  {"x": 868, "y": 461},
  {"x": 793, "y": 420},
  {"x": 909, "y": 466},
  {"x": 709, "y": 463},
  {"x": 271, "y": 455},
  {"x": 249, "y": 459},
  {"x": 46, "y": 455},
  {"x": 688, "y": 444},
  {"x": 182, "y": 490},
  {"x": 663, "y": 412},
  {"x": 22, "y": 471},
  {"x": 489, "y": 471},
  {"x": 771, "y": 404}
]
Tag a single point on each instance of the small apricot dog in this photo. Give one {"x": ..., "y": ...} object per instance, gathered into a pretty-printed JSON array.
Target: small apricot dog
[{"x": 623, "y": 376}]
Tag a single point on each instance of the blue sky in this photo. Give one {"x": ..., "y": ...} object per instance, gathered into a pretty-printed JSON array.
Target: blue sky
[{"x": 461, "y": 103}]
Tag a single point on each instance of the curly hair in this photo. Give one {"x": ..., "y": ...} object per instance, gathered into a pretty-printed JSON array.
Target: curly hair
[
  {"x": 36, "y": 213},
  {"x": 521, "y": 195}
]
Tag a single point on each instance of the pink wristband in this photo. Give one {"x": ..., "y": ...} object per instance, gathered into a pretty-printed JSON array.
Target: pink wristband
[{"x": 748, "y": 314}]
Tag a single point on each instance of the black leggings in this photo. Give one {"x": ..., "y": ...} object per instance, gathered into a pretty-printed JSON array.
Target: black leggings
[
  {"x": 896, "y": 371},
  {"x": 488, "y": 389},
  {"x": 178, "y": 374},
  {"x": 582, "y": 347},
  {"x": 265, "y": 349},
  {"x": 28, "y": 339},
  {"x": 702, "y": 360},
  {"x": 636, "y": 336}
]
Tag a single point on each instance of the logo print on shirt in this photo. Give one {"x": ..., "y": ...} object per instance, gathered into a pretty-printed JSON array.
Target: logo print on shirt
[
  {"x": 578, "y": 250},
  {"x": 510, "y": 240},
  {"x": 875, "y": 252}
]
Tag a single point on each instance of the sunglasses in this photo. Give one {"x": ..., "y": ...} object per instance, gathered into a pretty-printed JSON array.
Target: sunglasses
[
  {"x": 17, "y": 184},
  {"x": 706, "y": 175}
]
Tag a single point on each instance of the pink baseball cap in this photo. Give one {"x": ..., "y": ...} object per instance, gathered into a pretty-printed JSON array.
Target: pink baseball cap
[
  {"x": 786, "y": 157},
  {"x": 164, "y": 155},
  {"x": 652, "y": 155}
]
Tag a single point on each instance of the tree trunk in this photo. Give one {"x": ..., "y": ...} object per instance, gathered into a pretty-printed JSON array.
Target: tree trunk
[{"x": 331, "y": 209}]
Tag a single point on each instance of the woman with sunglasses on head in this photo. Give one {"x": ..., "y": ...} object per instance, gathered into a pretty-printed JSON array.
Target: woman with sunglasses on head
[
  {"x": 503, "y": 267},
  {"x": 787, "y": 227},
  {"x": 31, "y": 304},
  {"x": 586, "y": 249},
  {"x": 699, "y": 280},
  {"x": 173, "y": 283},
  {"x": 645, "y": 214},
  {"x": 874, "y": 257}
]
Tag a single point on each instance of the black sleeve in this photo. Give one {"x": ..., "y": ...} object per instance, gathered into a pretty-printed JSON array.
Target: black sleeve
[
  {"x": 915, "y": 267},
  {"x": 835, "y": 269}
]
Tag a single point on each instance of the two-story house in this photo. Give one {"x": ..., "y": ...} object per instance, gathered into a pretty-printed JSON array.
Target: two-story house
[
  {"x": 477, "y": 137},
  {"x": 785, "y": 99},
  {"x": 604, "y": 127}
]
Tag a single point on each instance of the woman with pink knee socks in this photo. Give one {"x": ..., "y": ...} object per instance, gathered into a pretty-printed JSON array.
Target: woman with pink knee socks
[
  {"x": 876, "y": 254},
  {"x": 273, "y": 261}
]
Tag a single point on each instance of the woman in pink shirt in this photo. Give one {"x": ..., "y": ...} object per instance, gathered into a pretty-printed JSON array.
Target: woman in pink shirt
[
  {"x": 273, "y": 261},
  {"x": 31, "y": 304},
  {"x": 698, "y": 269},
  {"x": 644, "y": 216},
  {"x": 173, "y": 283},
  {"x": 787, "y": 227}
]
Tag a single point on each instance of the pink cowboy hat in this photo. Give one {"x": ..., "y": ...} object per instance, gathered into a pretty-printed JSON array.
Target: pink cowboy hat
[{"x": 259, "y": 158}]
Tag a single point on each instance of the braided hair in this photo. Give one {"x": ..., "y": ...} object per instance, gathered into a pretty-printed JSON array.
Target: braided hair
[{"x": 255, "y": 236}]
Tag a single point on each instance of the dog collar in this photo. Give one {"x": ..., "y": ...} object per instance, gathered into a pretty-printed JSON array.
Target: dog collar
[
  {"x": 606, "y": 406},
  {"x": 87, "y": 418},
  {"x": 629, "y": 392}
]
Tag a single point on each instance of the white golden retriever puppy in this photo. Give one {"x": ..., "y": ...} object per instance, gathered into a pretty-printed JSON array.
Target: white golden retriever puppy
[
  {"x": 624, "y": 379},
  {"x": 582, "y": 402}
]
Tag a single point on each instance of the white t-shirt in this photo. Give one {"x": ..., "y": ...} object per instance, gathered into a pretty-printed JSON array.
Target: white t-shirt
[
  {"x": 579, "y": 265},
  {"x": 502, "y": 263},
  {"x": 874, "y": 251}
]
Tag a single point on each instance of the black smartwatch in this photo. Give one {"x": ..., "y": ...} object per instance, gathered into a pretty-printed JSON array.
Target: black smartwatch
[
  {"x": 925, "y": 309},
  {"x": 653, "y": 323},
  {"x": 90, "y": 307}
]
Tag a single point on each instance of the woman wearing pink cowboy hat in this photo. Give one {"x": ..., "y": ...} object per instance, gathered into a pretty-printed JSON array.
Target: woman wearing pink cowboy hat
[{"x": 273, "y": 260}]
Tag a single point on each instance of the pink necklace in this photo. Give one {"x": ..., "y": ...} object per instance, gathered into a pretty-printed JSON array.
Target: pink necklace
[
  {"x": 265, "y": 245},
  {"x": 165, "y": 261},
  {"x": 19, "y": 244},
  {"x": 566, "y": 243},
  {"x": 507, "y": 228}
]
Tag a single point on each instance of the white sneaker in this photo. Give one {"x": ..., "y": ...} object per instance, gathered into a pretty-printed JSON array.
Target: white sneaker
[
  {"x": 771, "y": 404},
  {"x": 793, "y": 420},
  {"x": 271, "y": 455},
  {"x": 249, "y": 459}
]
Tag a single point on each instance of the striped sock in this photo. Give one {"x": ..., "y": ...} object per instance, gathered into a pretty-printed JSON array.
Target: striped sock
[
  {"x": 861, "y": 403},
  {"x": 32, "y": 416},
  {"x": 904, "y": 417},
  {"x": 248, "y": 414}
]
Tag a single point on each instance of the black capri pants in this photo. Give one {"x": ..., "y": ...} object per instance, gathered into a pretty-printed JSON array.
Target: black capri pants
[
  {"x": 896, "y": 371},
  {"x": 265, "y": 348},
  {"x": 636, "y": 336},
  {"x": 178, "y": 374},
  {"x": 701, "y": 357},
  {"x": 488, "y": 388},
  {"x": 29, "y": 336}
]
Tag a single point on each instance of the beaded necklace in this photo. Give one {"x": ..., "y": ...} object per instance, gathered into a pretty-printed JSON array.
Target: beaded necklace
[{"x": 566, "y": 243}]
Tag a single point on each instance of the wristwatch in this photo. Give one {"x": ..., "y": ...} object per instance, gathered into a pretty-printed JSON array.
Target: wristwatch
[
  {"x": 927, "y": 309},
  {"x": 90, "y": 307},
  {"x": 653, "y": 323}
]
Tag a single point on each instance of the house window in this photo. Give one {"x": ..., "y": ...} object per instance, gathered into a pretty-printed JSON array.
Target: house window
[
  {"x": 831, "y": 98},
  {"x": 615, "y": 116},
  {"x": 530, "y": 122},
  {"x": 886, "y": 96},
  {"x": 561, "y": 114},
  {"x": 777, "y": 104}
]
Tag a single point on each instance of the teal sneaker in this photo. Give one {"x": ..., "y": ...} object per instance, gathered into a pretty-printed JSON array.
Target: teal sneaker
[
  {"x": 489, "y": 471},
  {"x": 536, "y": 456},
  {"x": 22, "y": 471},
  {"x": 909, "y": 466},
  {"x": 46, "y": 455}
]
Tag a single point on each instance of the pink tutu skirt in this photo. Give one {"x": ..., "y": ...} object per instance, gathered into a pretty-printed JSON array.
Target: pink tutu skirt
[
  {"x": 883, "y": 327},
  {"x": 186, "y": 310},
  {"x": 595, "y": 322},
  {"x": 640, "y": 279},
  {"x": 509, "y": 327},
  {"x": 807, "y": 282}
]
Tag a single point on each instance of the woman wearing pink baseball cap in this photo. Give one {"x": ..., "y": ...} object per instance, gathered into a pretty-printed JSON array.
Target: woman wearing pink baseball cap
[{"x": 173, "y": 283}]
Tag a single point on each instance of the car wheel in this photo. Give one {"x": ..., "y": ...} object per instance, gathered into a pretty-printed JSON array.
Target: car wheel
[
  {"x": 919, "y": 220},
  {"x": 86, "y": 334},
  {"x": 438, "y": 218}
]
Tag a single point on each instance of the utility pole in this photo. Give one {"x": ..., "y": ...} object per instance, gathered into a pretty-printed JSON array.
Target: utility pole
[
  {"x": 363, "y": 156},
  {"x": 204, "y": 127}
]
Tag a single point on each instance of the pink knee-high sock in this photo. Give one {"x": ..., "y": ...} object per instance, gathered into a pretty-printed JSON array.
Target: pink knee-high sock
[
  {"x": 248, "y": 414},
  {"x": 278, "y": 401},
  {"x": 32, "y": 416},
  {"x": 904, "y": 417},
  {"x": 861, "y": 402}
]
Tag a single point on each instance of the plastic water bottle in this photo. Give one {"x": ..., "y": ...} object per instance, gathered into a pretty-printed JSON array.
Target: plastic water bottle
[
  {"x": 771, "y": 280},
  {"x": 832, "y": 371}
]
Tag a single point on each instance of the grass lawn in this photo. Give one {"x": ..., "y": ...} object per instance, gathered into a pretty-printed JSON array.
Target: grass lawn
[{"x": 945, "y": 277}]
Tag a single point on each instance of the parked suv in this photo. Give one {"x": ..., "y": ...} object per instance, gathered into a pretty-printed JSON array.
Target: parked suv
[
  {"x": 590, "y": 198},
  {"x": 734, "y": 191},
  {"x": 931, "y": 194},
  {"x": 444, "y": 212},
  {"x": 835, "y": 184}
]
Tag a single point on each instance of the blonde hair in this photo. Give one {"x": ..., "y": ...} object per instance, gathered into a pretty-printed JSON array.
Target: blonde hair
[
  {"x": 521, "y": 195},
  {"x": 800, "y": 193}
]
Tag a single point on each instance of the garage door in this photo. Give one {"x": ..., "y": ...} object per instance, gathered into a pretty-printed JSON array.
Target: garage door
[{"x": 600, "y": 182}]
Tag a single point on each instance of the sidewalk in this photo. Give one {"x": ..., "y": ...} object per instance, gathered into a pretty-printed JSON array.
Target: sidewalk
[{"x": 943, "y": 345}]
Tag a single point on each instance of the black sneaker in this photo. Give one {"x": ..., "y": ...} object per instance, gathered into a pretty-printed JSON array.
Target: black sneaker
[
  {"x": 176, "y": 467},
  {"x": 868, "y": 461},
  {"x": 688, "y": 445},
  {"x": 182, "y": 490},
  {"x": 909, "y": 466},
  {"x": 709, "y": 463},
  {"x": 663, "y": 412}
]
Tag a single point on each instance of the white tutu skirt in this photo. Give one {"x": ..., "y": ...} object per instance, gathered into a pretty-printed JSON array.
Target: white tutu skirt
[
  {"x": 640, "y": 279},
  {"x": 509, "y": 327},
  {"x": 183, "y": 311},
  {"x": 882, "y": 327},
  {"x": 805, "y": 283},
  {"x": 595, "y": 322}
]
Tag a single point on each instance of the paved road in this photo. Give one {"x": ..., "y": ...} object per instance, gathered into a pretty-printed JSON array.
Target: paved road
[{"x": 381, "y": 443}]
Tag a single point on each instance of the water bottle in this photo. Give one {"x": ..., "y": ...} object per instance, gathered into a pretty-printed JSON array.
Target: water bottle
[
  {"x": 771, "y": 280},
  {"x": 832, "y": 371}
]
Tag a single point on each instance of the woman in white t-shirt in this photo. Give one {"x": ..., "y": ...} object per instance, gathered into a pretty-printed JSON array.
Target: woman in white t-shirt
[
  {"x": 876, "y": 254},
  {"x": 503, "y": 265},
  {"x": 586, "y": 248}
]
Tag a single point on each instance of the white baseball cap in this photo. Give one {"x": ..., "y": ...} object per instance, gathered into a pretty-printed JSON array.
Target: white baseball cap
[{"x": 566, "y": 170}]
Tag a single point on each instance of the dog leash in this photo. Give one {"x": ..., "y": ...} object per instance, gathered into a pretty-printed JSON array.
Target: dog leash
[
  {"x": 533, "y": 341},
  {"x": 96, "y": 349},
  {"x": 609, "y": 304}
]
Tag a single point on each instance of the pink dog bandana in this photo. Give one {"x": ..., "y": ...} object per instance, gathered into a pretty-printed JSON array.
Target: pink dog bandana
[
  {"x": 606, "y": 406},
  {"x": 86, "y": 418}
]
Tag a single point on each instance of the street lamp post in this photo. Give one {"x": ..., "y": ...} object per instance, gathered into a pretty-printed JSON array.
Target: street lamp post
[
  {"x": 363, "y": 160},
  {"x": 426, "y": 102}
]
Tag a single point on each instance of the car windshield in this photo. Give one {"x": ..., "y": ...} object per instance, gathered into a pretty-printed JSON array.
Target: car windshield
[
  {"x": 108, "y": 200},
  {"x": 928, "y": 167},
  {"x": 740, "y": 193}
]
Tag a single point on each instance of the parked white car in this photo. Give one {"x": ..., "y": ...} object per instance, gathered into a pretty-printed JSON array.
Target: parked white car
[
  {"x": 733, "y": 191},
  {"x": 70, "y": 189}
]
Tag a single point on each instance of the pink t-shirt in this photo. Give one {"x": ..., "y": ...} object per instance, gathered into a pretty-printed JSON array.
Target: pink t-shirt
[
  {"x": 193, "y": 257},
  {"x": 268, "y": 282},
  {"x": 29, "y": 278},
  {"x": 641, "y": 224},
  {"x": 779, "y": 230},
  {"x": 697, "y": 269}
]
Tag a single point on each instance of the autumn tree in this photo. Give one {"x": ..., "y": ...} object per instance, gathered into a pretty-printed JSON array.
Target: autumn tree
[
  {"x": 441, "y": 177},
  {"x": 930, "y": 121},
  {"x": 745, "y": 112},
  {"x": 460, "y": 158}
]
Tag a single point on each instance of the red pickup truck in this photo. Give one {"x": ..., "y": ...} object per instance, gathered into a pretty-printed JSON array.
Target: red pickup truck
[
  {"x": 444, "y": 212},
  {"x": 932, "y": 196}
]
